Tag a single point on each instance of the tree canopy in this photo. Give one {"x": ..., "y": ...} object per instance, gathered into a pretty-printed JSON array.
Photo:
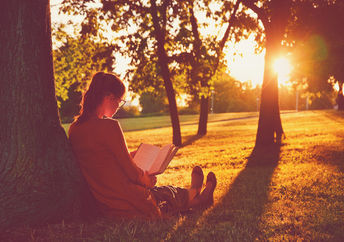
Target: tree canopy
[
  {"x": 191, "y": 54},
  {"x": 317, "y": 45},
  {"x": 77, "y": 58}
]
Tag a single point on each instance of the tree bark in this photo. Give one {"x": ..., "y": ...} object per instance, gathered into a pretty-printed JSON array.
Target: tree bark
[
  {"x": 196, "y": 64},
  {"x": 270, "y": 129},
  {"x": 203, "y": 116},
  {"x": 166, "y": 75},
  {"x": 269, "y": 125},
  {"x": 38, "y": 173}
]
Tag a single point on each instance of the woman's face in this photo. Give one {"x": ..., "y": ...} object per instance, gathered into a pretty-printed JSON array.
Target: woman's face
[{"x": 111, "y": 104}]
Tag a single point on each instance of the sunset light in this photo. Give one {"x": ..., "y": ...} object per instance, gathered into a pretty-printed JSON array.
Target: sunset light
[
  {"x": 243, "y": 63},
  {"x": 283, "y": 68},
  {"x": 155, "y": 120}
]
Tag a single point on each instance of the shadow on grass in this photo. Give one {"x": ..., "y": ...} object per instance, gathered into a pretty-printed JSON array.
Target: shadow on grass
[
  {"x": 238, "y": 213},
  {"x": 330, "y": 155},
  {"x": 336, "y": 115},
  {"x": 191, "y": 139}
]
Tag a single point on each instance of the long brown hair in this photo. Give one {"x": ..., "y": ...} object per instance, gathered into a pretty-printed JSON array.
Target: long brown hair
[{"x": 102, "y": 84}]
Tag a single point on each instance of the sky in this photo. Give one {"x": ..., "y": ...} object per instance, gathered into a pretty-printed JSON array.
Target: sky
[{"x": 243, "y": 63}]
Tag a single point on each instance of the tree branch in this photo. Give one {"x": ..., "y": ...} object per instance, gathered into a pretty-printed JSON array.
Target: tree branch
[
  {"x": 184, "y": 57},
  {"x": 230, "y": 24},
  {"x": 135, "y": 5},
  {"x": 194, "y": 26},
  {"x": 164, "y": 10},
  {"x": 259, "y": 11}
]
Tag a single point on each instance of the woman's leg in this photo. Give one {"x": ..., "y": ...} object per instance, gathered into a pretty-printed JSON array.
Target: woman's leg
[{"x": 173, "y": 200}]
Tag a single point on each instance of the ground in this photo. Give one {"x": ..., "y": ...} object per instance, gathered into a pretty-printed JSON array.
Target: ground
[{"x": 292, "y": 192}]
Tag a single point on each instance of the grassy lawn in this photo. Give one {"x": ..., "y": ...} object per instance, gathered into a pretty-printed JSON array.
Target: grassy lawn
[
  {"x": 143, "y": 123},
  {"x": 293, "y": 192}
]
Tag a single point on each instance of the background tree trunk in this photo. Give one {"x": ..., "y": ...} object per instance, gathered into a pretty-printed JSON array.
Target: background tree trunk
[
  {"x": 165, "y": 72},
  {"x": 38, "y": 174},
  {"x": 204, "y": 102},
  {"x": 203, "y": 116}
]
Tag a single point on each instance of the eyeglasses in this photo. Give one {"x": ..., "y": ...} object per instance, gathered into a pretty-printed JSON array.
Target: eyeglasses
[{"x": 121, "y": 103}]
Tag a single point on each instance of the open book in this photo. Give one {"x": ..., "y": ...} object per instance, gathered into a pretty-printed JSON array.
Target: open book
[{"x": 154, "y": 159}]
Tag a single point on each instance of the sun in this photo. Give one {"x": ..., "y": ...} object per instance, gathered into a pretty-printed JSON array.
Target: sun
[{"x": 283, "y": 68}]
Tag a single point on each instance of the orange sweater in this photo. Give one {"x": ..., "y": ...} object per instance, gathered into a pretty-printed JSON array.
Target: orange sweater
[{"x": 107, "y": 166}]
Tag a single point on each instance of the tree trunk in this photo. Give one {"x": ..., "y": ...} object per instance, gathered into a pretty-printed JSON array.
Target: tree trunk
[
  {"x": 165, "y": 72},
  {"x": 204, "y": 103},
  {"x": 195, "y": 74},
  {"x": 38, "y": 174},
  {"x": 203, "y": 116},
  {"x": 270, "y": 129},
  {"x": 270, "y": 126},
  {"x": 340, "y": 97}
]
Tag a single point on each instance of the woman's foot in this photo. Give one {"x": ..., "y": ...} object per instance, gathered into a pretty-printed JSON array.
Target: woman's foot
[
  {"x": 197, "y": 178},
  {"x": 208, "y": 192},
  {"x": 206, "y": 198}
]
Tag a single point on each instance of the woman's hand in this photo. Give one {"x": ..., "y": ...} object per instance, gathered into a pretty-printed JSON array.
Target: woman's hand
[
  {"x": 153, "y": 180},
  {"x": 148, "y": 180}
]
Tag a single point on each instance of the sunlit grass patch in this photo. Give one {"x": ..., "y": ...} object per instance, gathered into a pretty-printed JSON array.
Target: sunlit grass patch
[
  {"x": 301, "y": 199},
  {"x": 294, "y": 192}
]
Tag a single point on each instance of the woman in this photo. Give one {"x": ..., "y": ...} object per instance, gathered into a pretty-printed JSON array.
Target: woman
[{"x": 119, "y": 186}]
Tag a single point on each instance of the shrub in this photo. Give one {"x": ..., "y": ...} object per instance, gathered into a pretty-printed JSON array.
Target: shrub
[{"x": 127, "y": 112}]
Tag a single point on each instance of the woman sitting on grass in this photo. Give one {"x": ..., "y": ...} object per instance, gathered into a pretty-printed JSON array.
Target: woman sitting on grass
[{"x": 120, "y": 187}]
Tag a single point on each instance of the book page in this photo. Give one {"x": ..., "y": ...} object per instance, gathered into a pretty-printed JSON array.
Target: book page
[
  {"x": 162, "y": 160},
  {"x": 145, "y": 156},
  {"x": 171, "y": 155},
  {"x": 168, "y": 159}
]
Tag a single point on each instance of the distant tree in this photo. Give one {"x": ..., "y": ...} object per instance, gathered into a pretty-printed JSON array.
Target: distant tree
[
  {"x": 321, "y": 100},
  {"x": 231, "y": 95},
  {"x": 38, "y": 177},
  {"x": 196, "y": 55},
  {"x": 159, "y": 17},
  {"x": 143, "y": 28},
  {"x": 127, "y": 112},
  {"x": 76, "y": 59},
  {"x": 205, "y": 53},
  {"x": 288, "y": 98},
  {"x": 164, "y": 41},
  {"x": 70, "y": 107},
  {"x": 152, "y": 103}
]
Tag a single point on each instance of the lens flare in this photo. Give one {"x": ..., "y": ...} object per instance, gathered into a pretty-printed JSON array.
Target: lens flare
[{"x": 283, "y": 69}]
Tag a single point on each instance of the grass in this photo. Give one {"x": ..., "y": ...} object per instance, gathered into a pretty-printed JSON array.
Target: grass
[
  {"x": 293, "y": 192},
  {"x": 154, "y": 122}
]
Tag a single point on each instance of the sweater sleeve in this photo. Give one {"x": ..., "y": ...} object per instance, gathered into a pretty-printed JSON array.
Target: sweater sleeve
[{"x": 115, "y": 141}]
